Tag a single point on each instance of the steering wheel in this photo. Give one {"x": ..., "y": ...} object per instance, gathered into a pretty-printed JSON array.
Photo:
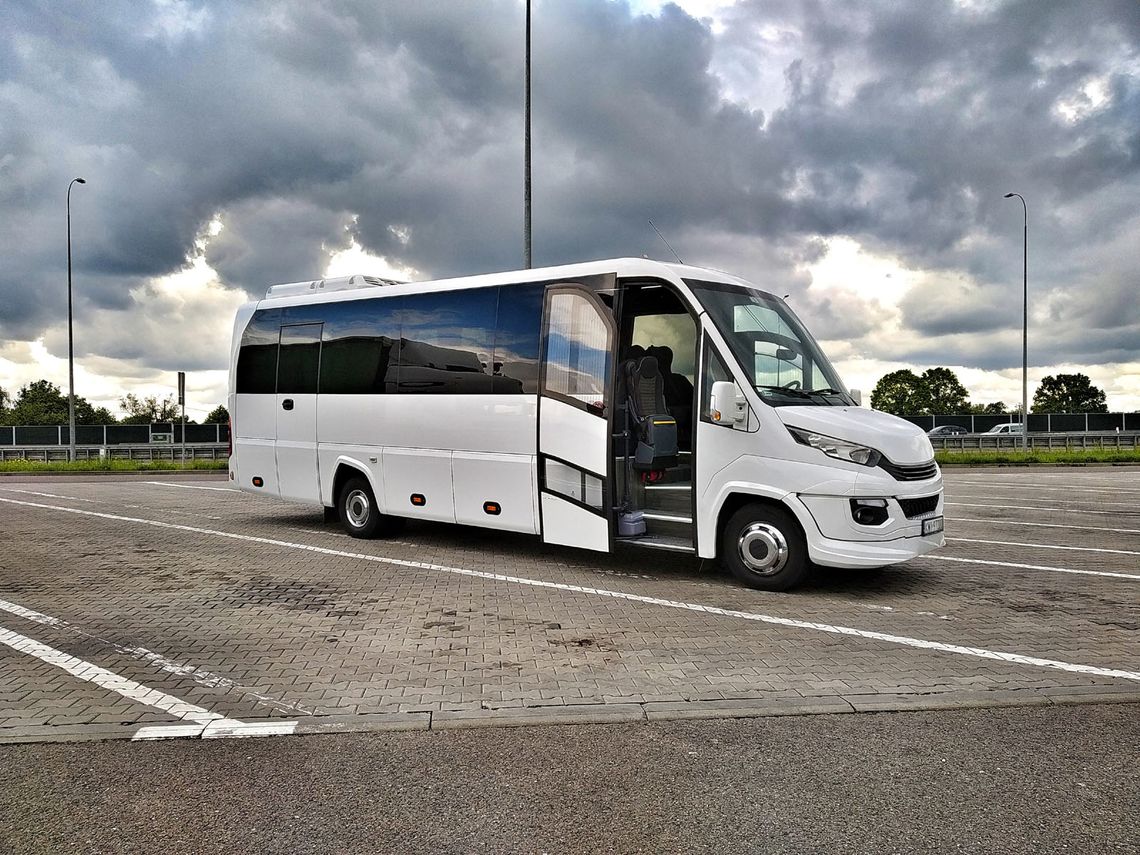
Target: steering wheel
[{"x": 791, "y": 384}]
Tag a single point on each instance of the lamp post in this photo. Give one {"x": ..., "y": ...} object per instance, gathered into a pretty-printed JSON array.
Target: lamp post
[
  {"x": 526, "y": 149},
  {"x": 70, "y": 336},
  {"x": 1024, "y": 323}
]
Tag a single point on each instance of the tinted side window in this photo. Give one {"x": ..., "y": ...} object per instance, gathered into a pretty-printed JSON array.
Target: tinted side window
[
  {"x": 359, "y": 351},
  {"x": 577, "y": 350},
  {"x": 257, "y": 357},
  {"x": 447, "y": 342},
  {"x": 299, "y": 359},
  {"x": 517, "y": 339}
]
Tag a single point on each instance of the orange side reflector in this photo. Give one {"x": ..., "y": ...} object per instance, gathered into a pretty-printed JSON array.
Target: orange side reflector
[
  {"x": 418, "y": 500},
  {"x": 492, "y": 508},
  {"x": 257, "y": 482}
]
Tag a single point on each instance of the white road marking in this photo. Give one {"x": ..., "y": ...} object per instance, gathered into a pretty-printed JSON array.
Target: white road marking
[
  {"x": 51, "y": 495},
  {"x": 923, "y": 644},
  {"x": 1032, "y": 567},
  {"x": 1046, "y": 525},
  {"x": 1054, "y": 498},
  {"x": 1035, "y": 508},
  {"x": 192, "y": 486},
  {"x": 227, "y": 730},
  {"x": 109, "y": 680},
  {"x": 1043, "y": 546},
  {"x": 199, "y": 675},
  {"x": 1068, "y": 488}
]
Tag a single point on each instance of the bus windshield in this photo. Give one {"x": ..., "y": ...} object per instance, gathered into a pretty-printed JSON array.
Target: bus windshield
[{"x": 777, "y": 353}]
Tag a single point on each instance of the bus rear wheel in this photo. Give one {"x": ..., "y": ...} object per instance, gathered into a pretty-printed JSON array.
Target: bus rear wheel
[
  {"x": 359, "y": 514},
  {"x": 763, "y": 546}
]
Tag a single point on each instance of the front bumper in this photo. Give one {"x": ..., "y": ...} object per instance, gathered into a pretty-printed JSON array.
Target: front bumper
[{"x": 834, "y": 539}]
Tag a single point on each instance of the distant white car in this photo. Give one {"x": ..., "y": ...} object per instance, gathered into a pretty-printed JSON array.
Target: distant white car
[{"x": 1008, "y": 427}]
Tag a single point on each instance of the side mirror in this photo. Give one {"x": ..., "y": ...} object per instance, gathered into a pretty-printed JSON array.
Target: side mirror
[
  {"x": 856, "y": 396},
  {"x": 727, "y": 406}
]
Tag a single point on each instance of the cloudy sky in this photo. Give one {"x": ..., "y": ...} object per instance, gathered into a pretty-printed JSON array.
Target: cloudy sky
[{"x": 850, "y": 153}]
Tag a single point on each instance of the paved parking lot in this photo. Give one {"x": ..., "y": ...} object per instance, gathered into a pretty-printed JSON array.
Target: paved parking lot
[{"x": 146, "y": 607}]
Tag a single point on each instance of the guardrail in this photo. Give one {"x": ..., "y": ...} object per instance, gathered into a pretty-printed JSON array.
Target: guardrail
[
  {"x": 1012, "y": 442},
  {"x": 194, "y": 451}
]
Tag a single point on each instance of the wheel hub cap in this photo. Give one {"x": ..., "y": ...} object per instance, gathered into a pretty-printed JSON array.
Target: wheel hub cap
[
  {"x": 763, "y": 549},
  {"x": 357, "y": 508}
]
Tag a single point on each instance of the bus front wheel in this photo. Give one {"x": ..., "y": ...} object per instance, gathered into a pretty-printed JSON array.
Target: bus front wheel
[
  {"x": 764, "y": 548},
  {"x": 358, "y": 511}
]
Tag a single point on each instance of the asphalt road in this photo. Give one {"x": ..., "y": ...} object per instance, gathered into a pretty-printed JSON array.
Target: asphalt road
[{"x": 1017, "y": 780}]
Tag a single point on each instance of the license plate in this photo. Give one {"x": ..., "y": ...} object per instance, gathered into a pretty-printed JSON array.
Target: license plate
[{"x": 932, "y": 525}]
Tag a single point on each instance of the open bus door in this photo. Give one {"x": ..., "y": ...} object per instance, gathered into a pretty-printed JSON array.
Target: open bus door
[{"x": 575, "y": 413}]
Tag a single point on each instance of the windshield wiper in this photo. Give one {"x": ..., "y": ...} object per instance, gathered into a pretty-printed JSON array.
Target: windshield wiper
[
  {"x": 824, "y": 392},
  {"x": 784, "y": 390}
]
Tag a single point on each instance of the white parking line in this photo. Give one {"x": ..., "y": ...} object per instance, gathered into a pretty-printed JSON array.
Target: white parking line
[
  {"x": 1032, "y": 567},
  {"x": 1043, "y": 546},
  {"x": 1054, "y": 498},
  {"x": 50, "y": 495},
  {"x": 193, "y": 487},
  {"x": 1034, "y": 508},
  {"x": 1068, "y": 488},
  {"x": 1013, "y": 658},
  {"x": 109, "y": 680},
  {"x": 180, "y": 669},
  {"x": 1046, "y": 525}
]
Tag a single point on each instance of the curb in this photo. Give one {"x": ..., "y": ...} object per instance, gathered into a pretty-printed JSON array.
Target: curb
[{"x": 648, "y": 712}]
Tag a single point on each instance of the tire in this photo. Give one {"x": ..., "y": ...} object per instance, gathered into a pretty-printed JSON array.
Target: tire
[
  {"x": 763, "y": 546},
  {"x": 356, "y": 506}
]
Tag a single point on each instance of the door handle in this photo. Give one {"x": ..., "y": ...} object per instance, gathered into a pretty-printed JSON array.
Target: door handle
[{"x": 287, "y": 404}]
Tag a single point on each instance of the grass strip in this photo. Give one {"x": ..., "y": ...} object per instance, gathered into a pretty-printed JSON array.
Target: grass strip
[{"x": 1052, "y": 457}]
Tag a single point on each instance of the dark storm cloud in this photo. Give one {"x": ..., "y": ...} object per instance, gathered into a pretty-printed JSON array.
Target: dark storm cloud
[{"x": 900, "y": 125}]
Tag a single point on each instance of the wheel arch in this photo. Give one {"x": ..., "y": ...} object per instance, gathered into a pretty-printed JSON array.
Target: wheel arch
[
  {"x": 348, "y": 468},
  {"x": 737, "y": 499}
]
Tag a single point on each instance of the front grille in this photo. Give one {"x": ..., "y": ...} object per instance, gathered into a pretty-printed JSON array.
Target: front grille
[
  {"x": 921, "y": 472},
  {"x": 917, "y": 507}
]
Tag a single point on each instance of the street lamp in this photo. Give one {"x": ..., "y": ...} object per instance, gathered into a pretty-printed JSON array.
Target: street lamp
[
  {"x": 70, "y": 336},
  {"x": 1024, "y": 323}
]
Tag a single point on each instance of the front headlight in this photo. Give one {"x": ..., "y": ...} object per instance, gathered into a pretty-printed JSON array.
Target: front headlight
[{"x": 838, "y": 448}]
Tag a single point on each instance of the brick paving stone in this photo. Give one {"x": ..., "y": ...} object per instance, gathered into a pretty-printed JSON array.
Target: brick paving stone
[{"x": 259, "y": 631}]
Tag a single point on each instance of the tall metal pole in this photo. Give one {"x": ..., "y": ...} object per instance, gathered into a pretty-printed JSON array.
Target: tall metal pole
[
  {"x": 70, "y": 336},
  {"x": 1024, "y": 322},
  {"x": 526, "y": 150}
]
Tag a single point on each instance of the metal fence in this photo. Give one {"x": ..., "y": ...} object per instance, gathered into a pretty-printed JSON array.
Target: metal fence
[
  {"x": 206, "y": 451},
  {"x": 1037, "y": 441},
  {"x": 160, "y": 433},
  {"x": 1038, "y": 422}
]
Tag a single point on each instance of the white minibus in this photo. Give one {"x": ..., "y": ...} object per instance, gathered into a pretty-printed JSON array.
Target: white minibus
[{"x": 614, "y": 402}]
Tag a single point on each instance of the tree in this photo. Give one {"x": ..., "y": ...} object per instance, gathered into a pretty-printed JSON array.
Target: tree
[
  {"x": 945, "y": 394},
  {"x": 218, "y": 416},
  {"x": 900, "y": 393},
  {"x": 994, "y": 408},
  {"x": 148, "y": 410},
  {"x": 42, "y": 403},
  {"x": 1068, "y": 393},
  {"x": 4, "y": 396}
]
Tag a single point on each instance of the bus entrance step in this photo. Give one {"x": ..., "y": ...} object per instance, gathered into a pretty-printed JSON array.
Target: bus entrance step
[{"x": 660, "y": 541}]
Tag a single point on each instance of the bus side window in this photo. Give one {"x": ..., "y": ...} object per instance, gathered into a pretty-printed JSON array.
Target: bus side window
[{"x": 257, "y": 358}]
